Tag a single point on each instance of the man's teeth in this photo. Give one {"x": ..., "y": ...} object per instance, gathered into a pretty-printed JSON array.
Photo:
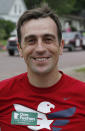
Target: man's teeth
[{"x": 40, "y": 59}]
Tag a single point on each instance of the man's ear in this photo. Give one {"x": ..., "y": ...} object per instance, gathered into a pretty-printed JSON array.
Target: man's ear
[
  {"x": 19, "y": 49},
  {"x": 61, "y": 47}
]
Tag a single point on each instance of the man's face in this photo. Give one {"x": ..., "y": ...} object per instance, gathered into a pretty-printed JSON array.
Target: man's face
[{"x": 39, "y": 45}]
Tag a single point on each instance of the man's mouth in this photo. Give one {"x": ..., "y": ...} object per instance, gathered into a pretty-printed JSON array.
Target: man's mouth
[{"x": 43, "y": 59}]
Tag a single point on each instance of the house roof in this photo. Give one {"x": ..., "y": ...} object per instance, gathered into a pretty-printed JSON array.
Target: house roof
[
  {"x": 5, "y": 6},
  {"x": 74, "y": 17}
]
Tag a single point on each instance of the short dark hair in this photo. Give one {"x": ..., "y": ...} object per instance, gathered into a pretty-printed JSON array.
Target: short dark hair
[{"x": 42, "y": 12}]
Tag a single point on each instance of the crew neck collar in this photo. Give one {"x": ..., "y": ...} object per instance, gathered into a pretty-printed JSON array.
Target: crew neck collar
[{"x": 47, "y": 89}]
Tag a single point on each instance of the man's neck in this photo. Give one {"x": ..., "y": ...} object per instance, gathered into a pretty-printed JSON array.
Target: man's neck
[{"x": 44, "y": 81}]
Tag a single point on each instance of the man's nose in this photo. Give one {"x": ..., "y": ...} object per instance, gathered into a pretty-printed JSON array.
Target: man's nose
[{"x": 40, "y": 46}]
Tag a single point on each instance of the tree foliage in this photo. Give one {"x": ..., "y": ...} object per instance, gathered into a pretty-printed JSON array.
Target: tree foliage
[
  {"x": 60, "y": 6},
  {"x": 32, "y": 3},
  {"x": 79, "y": 6},
  {"x": 6, "y": 27}
]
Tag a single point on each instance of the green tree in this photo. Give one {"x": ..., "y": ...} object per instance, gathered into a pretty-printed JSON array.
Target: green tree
[
  {"x": 32, "y": 3},
  {"x": 6, "y": 27},
  {"x": 2, "y": 34},
  {"x": 79, "y": 6},
  {"x": 60, "y": 6}
]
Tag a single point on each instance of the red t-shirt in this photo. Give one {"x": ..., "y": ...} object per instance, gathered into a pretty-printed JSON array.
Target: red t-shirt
[{"x": 58, "y": 108}]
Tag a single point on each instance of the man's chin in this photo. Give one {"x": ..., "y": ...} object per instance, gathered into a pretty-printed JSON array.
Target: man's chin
[{"x": 41, "y": 71}]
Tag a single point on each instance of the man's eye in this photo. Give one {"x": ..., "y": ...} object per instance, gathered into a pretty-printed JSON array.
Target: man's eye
[
  {"x": 31, "y": 41},
  {"x": 48, "y": 40}
]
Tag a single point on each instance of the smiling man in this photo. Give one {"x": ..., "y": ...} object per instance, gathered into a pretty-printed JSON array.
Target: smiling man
[
  {"x": 41, "y": 48},
  {"x": 43, "y": 98}
]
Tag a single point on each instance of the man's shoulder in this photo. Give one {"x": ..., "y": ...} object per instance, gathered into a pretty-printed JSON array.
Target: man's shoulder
[
  {"x": 10, "y": 81},
  {"x": 73, "y": 79},
  {"x": 73, "y": 82}
]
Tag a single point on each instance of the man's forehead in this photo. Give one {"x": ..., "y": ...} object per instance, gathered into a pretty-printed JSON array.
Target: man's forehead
[
  {"x": 42, "y": 21},
  {"x": 39, "y": 27}
]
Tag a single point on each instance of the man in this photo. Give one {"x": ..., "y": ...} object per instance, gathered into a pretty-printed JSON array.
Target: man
[{"x": 44, "y": 98}]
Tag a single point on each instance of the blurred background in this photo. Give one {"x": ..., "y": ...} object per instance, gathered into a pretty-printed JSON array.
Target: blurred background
[
  {"x": 70, "y": 12},
  {"x": 72, "y": 16}
]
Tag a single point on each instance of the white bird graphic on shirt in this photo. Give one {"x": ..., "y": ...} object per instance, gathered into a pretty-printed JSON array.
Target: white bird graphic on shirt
[{"x": 42, "y": 121}]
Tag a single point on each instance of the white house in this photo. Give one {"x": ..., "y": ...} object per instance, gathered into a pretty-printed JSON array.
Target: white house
[
  {"x": 78, "y": 22},
  {"x": 11, "y": 9}
]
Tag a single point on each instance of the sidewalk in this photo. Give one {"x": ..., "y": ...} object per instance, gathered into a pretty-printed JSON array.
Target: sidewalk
[
  {"x": 73, "y": 73},
  {"x": 2, "y": 47}
]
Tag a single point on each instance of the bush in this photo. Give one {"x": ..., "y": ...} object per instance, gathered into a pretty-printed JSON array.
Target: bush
[
  {"x": 73, "y": 28},
  {"x": 6, "y": 27},
  {"x": 2, "y": 34}
]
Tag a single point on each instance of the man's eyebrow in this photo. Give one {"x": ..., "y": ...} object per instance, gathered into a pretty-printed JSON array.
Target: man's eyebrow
[
  {"x": 49, "y": 35},
  {"x": 33, "y": 36},
  {"x": 29, "y": 36}
]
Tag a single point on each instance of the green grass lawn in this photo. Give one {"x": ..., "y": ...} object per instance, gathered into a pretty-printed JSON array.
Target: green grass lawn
[
  {"x": 80, "y": 69},
  {"x": 3, "y": 42}
]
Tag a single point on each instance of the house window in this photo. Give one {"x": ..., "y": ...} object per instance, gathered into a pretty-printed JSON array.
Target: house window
[
  {"x": 15, "y": 8},
  {"x": 20, "y": 9}
]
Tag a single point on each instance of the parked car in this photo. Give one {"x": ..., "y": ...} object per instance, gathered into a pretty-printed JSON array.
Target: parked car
[
  {"x": 83, "y": 39},
  {"x": 12, "y": 45},
  {"x": 83, "y": 43},
  {"x": 73, "y": 40}
]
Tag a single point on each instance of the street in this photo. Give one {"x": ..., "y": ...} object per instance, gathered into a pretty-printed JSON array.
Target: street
[{"x": 10, "y": 66}]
